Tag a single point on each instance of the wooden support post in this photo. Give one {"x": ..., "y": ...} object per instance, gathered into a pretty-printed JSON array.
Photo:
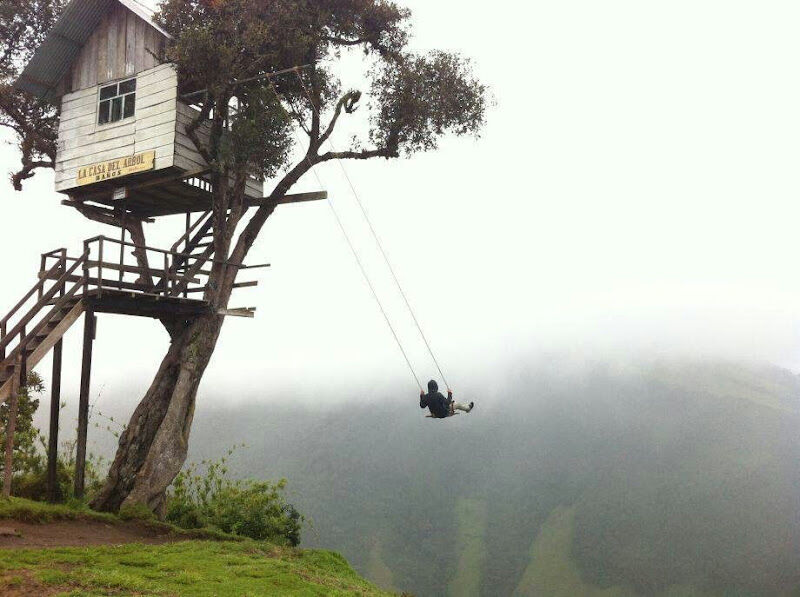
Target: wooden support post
[
  {"x": 187, "y": 248},
  {"x": 42, "y": 269},
  {"x": 11, "y": 429},
  {"x": 23, "y": 358},
  {"x": 122, "y": 245},
  {"x": 83, "y": 407},
  {"x": 53, "y": 490},
  {"x": 100, "y": 267},
  {"x": 87, "y": 255}
]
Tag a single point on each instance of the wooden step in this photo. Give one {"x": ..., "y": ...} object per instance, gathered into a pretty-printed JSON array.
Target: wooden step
[
  {"x": 202, "y": 272},
  {"x": 38, "y": 350},
  {"x": 11, "y": 358},
  {"x": 53, "y": 324}
]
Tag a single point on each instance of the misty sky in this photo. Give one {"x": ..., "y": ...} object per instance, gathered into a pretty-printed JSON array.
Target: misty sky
[{"x": 634, "y": 193}]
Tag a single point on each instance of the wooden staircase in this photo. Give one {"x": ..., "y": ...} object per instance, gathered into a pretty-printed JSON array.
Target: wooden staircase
[
  {"x": 104, "y": 279},
  {"x": 194, "y": 252},
  {"x": 21, "y": 350},
  {"x": 192, "y": 257}
]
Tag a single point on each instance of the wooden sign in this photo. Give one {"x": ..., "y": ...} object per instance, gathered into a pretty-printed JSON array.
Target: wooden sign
[{"x": 141, "y": 162}]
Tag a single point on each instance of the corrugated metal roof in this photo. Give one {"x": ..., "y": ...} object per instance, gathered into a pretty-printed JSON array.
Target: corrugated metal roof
[{"x": 52, "y": 60}]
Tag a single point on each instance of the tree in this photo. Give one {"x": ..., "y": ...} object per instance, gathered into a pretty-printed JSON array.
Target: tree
[
  {"x": 26, "y": 456},
  {"x": 226, "y": 50},
  {"x": 34, "y": 122}
]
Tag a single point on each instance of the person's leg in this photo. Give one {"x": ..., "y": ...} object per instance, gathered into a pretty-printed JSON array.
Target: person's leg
[{"x": 461, "y": 407}]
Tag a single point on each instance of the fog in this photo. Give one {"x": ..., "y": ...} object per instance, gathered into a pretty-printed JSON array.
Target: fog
[
  {"x": 599, "y": 272},
  {"x": 634, "y": 196}
]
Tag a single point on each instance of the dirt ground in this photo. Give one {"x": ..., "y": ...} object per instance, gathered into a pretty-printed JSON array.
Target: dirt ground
[
  {"x": 69, "y": 533},
  {"x": 78, "y": 533}
]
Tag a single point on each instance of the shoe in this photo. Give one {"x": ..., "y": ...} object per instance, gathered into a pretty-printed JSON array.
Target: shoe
[{"x": 471, "y": 406}]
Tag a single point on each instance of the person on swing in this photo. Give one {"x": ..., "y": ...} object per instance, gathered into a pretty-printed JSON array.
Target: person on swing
[{"x": 441, "y": 407}]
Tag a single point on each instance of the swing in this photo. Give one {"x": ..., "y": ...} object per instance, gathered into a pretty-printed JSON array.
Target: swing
[{"x": 378, "y": 242}]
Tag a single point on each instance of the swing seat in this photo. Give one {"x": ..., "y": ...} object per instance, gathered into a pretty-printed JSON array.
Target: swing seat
[{"x": 442, "y": 418}]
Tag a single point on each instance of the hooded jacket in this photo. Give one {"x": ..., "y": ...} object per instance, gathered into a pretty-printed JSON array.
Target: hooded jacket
[{"x": 435, "y": 401}]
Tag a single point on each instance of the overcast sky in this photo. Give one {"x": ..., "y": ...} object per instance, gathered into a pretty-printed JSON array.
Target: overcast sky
[{"x": 635, "y": 193}]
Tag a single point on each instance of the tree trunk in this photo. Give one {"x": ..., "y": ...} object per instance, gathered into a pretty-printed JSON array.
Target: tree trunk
[{"x": 152, "y": 449}]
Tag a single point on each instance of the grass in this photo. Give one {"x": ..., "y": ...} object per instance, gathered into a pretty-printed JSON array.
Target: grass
[
  {"x": 472, "y": 518},
  {"x": 189, "y": 568},
  {"x": 553, "y": 572},
  {"x": 42, "y": 513},
  {"x": 38, "y": 512},
  {"x": 205, "y": 563},
  {"x": 377, "y": 569}
]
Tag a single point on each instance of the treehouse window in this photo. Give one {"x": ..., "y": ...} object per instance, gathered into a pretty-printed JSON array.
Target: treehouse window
[{"x": 117, "y": 101}]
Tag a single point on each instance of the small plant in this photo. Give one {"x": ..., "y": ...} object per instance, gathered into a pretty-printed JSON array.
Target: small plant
[
  {"x": 30, "y": 451},
  {"x": 254, "y": 509},
  {"x": 26, "y": 454}
]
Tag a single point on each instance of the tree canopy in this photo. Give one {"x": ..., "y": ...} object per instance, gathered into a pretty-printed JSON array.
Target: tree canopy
[
  {"x": 414, "y": 99},
  {"x": 263, "y": 74},
  {"x": 23, "y": 26},
  {"x": 226, "y": 50}
]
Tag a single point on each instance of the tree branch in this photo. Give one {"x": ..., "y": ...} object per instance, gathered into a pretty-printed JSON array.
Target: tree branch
[
  {"x": 256, "y": 223},
  {"x": 383, "y": 152},
  {"x": 27, "y": 172},
  {"x": 340, "y": 41},
  {"x": 191, "y": 130},
  {"x": 133, "y": 225},
  {"x": 316, "y": 105},
  {"x": 27, "y": 128},
  {"x": 347, "y": 103}
]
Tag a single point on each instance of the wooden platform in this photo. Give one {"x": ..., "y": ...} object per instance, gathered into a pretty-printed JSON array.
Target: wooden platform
[
  {"x": 103, "y": 280},
  {"x": 150, "y": 194},
  {"x": 164, "y": 193},
  {"x": 139, "y": 304}
]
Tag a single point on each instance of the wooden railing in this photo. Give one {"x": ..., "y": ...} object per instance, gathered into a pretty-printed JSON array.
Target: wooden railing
[
  {"x": 109, "y": 266},
  {"x": 186, "y": 237},
  {"x": 168, "y": 280},
  {"x": 106, "y": 265},
  {"x": 58, "y": 295}
]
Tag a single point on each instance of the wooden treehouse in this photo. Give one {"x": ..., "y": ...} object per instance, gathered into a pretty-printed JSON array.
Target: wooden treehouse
[{"x": 123, "y": 153}]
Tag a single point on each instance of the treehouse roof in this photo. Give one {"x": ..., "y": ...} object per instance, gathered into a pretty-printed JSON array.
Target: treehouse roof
[{"x": 63, "y": 43}]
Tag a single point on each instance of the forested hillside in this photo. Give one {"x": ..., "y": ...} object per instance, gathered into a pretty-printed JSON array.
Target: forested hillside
[{"x": 674, "y": 480}]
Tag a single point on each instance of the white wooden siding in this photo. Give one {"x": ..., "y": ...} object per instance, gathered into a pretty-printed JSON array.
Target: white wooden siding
[
  {"x": 159, "y": 124},
  {"x": 83, "y": 142},
  {"x": 122, "y": 45}
]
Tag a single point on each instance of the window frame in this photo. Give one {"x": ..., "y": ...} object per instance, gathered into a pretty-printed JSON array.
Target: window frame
[{"x": 123, "y": 98}]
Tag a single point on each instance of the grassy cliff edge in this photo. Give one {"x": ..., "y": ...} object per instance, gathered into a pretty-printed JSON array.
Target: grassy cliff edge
[{"x": 185, "y": 566}]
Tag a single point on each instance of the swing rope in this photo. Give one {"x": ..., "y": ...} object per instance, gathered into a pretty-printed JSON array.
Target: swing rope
[
  {"x": 360, "y": 263},
  {"x": 375, "y": 236}
]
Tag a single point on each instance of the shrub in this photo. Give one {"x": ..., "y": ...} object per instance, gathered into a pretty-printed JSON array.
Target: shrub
[
  {"x": 30, "y": 451},
  {"x": 255, "y": 509},
  {"x": 27, "y": 458}
]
